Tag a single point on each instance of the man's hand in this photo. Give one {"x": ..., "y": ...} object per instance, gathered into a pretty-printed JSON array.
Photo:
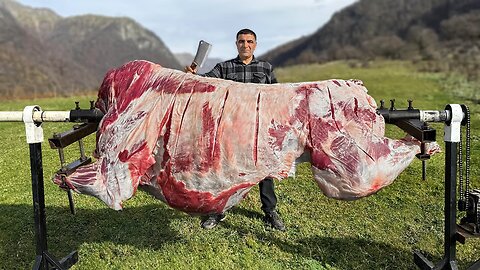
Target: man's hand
[{"x": 189, "y": 69}]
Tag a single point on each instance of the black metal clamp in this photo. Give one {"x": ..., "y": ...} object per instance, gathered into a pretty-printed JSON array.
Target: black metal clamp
[
  {"x": 60, "y": 141},
  {"x": 409, "y": 121}
]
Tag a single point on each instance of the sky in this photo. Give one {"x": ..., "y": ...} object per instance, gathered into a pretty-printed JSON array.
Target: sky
[{"x": 181, "y": 24}]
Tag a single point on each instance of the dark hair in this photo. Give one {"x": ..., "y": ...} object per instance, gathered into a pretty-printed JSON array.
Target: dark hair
[{"x": 246, "y": 31}]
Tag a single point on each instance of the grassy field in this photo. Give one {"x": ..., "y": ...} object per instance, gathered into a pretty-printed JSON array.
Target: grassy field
[{"x": 377, "y": 232}]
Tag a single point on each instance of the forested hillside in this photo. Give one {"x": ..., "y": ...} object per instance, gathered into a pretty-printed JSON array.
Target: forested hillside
[
  {"x": 42, "y": 53},
  {"x": 444, "y": 34}
]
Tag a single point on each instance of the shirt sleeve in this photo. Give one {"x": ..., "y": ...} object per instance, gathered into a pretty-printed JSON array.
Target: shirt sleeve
[
  {"x": 273, "y": 79},
  {"x": 214, "y": 73}
]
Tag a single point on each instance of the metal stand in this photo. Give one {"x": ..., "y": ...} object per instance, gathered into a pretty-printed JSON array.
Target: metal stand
[
  {"x": 449, "y": 260},
  {"x": 452, "y": 140},
  {"x": 43, "y": 259},
  {"x": 413, "y": 121},
  {"x": 33, "y": 117}
]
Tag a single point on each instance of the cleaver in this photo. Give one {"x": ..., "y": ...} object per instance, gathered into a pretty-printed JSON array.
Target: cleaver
[{"x": 201, "y": 55}]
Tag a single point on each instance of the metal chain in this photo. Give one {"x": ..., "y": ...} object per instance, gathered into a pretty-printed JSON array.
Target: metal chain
[
  {"x": 464, "y": 191},
  {"x": 467, "y": 156},
  {"x": 467, "y": 170},
  {"x": 460, "y": 176}
]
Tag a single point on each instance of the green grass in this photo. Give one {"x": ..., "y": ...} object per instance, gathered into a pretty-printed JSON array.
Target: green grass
[{"x": 377, "y": 232}]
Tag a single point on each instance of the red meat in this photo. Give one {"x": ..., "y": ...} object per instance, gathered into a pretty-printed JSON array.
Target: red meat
[{"x": 199, "y": 144}]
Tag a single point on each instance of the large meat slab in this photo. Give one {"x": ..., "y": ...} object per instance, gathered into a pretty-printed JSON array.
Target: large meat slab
[{"x": 199, "y": 144}]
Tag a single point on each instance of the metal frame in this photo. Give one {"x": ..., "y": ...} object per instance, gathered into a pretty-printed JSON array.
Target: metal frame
[
  {"x": 43, "y": 259},
  {"x": 33, "y": 117},
  {"x": 411, "y": 121},
  {"x": 449, "y": 261}
]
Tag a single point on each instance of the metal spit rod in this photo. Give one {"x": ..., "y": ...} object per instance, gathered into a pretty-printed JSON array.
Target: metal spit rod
[
  {"x": 392, "y": 116},
  {"x": 67, "y": 116},
  {"x": 39, "y": 116}
]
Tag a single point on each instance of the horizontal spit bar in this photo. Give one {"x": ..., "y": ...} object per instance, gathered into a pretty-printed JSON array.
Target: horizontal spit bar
[
  {"x": 94, "y": 115},
  {"x": 38, "y": 116},
  {"x": 435, "y": 116},
  {"x": 14, "y": 116},
  {"x": 392, "y": 116}
]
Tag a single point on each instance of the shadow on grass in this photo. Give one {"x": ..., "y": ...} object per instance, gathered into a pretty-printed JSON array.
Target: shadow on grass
[
  {"x": 145, "y": 226},
  {"x": 350, "y": 253},
  {"x": 343, "y": 253},
  {"x": 150, "y": 226},
  {"x": 246, "y": 212}
]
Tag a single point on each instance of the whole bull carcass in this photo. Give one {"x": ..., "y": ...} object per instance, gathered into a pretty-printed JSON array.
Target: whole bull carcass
[{"x": 199, "y": 144}]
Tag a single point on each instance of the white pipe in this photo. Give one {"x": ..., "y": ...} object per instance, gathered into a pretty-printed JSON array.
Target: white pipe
[
  {"x": 434, "y": 116},
  {"x": 38, "y": 116},
  {"x": 51, "y": 116},
  {"x": 11, "y": 116}
]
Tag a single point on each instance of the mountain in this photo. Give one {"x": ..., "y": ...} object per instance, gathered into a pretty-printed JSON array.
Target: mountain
[
  {"x": 42, "y": 53},
  {"x": 186, "y": 59},
  {"x": 436, "y": 30}
]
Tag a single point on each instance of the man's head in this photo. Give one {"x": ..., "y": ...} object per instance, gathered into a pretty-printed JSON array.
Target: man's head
[{"x": 246, "y": 43}]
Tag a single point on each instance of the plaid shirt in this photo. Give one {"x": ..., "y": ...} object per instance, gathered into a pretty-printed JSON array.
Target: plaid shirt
[{"x": 257, "y": 71}]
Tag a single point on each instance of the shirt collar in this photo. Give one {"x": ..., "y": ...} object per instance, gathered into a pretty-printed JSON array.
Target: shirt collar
[{"x": 237, "y": 59}]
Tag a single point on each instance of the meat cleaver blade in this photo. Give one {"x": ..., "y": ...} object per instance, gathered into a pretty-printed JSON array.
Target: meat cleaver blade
[{"x": 201, "y": 55}]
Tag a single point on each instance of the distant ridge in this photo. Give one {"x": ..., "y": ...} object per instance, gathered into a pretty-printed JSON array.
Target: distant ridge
[
  {"x": 444, "y": 31},
  {"x": 42, "y": 53}
]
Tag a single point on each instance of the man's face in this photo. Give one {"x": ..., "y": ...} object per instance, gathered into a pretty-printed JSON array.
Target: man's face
[{"x": 246, "y": 45}]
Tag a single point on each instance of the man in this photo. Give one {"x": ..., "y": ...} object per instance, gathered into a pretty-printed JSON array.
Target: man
[{"x": 246, "y": 68}]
